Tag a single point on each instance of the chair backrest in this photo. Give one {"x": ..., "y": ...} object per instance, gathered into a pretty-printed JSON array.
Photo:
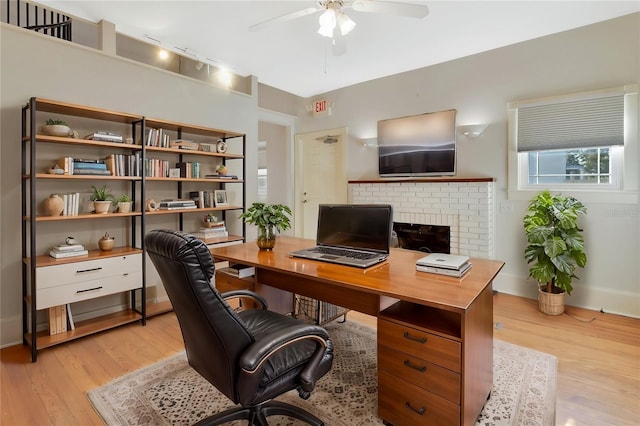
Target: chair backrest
[{"x": 214, "y": 335}]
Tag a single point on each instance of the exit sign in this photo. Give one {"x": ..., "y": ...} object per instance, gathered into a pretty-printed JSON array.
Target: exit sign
[{"x": 320, "y": 106}]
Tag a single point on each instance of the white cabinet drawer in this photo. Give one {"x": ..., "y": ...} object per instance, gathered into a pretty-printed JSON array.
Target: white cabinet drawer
[
  {"x": 56, "y": 275},
  {"x": 83, "y": 290}
]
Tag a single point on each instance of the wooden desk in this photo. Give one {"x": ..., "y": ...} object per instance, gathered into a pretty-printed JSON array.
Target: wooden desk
[{"x": 435, "y": 333}]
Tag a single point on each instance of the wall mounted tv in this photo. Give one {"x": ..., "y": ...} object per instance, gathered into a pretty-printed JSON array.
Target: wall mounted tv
[{"x": 418, "y": 145}]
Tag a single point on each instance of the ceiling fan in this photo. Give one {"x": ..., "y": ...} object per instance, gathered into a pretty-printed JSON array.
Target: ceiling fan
[{"x": 335, "y": 24}]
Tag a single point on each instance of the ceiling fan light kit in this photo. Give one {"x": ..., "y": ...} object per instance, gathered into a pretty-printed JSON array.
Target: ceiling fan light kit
[{"x": 334, "y": 16}]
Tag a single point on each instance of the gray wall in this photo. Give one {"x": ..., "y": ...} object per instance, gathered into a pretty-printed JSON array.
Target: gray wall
[
  {"x": 36, "y": 65},
  {"x": 480, "y": 86}
]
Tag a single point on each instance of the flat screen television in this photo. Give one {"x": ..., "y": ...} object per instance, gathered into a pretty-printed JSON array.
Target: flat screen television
[{"x": 418, "y": 145}]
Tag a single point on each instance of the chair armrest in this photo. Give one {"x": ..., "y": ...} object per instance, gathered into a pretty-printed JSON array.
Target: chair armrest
[
  {"x": 261, "y": 350},
  {"x": 245, "y": 293}
]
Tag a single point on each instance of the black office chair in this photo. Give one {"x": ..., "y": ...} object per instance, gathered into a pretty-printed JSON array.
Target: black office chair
[{"x": 251, "y": 356}]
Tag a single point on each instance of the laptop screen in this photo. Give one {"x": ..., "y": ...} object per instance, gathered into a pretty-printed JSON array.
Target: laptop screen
[{"x": 359, "y": 226}]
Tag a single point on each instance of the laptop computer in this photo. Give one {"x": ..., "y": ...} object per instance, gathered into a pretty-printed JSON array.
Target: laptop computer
[
  {"x": 443, "y": 260},
  {"x": 351, "y": 234}
]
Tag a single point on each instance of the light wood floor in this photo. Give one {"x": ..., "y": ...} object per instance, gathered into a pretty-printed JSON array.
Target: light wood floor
[{"x": 598, "y": 380}]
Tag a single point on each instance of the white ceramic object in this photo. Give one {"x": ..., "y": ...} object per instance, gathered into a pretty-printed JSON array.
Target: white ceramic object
[{"x": 56, "y": 130}]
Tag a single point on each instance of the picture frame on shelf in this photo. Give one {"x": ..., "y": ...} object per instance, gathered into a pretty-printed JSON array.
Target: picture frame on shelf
[{"x": 220, "y": 198}]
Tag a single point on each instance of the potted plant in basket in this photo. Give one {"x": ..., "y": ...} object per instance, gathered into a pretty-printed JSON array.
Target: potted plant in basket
[
  {"x": 124, "y": 203},
  {"x": 102, "y": 199},
  {"x": 269, "y": 218},
  {"x": 56, "y": 128},
  {"x": 555, "y": 247}
]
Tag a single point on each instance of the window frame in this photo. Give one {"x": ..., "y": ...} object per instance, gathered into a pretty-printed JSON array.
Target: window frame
[{"x": 625, "y": 164}]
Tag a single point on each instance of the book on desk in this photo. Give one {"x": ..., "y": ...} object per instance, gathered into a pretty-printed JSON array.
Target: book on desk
[{"x": 444, "y": 264}]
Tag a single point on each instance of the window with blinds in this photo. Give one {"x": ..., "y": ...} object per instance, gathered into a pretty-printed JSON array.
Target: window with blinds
[{"x": 573, "y": 141}]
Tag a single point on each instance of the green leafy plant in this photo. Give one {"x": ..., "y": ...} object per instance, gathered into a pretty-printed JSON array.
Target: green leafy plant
[
  {"x": 555, "y": 242},
  {"x": 52, "y": 122},
  {"x": 124, "y": 198},
  {"x": 265, "y": 215},
  {"x": 101, "y": 194}
]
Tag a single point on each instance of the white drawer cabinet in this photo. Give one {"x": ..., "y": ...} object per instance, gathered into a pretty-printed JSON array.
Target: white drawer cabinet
[{"x": 73, "y": 282}]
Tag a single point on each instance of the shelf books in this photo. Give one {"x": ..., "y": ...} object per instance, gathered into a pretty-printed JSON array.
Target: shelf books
[
  {"x": 156, "y": 137},
  {"x": 218, "y": 176},
  {"x": 239, "y": 270},
  {"x": 176, "y": 204},
  {"x": 90, "y": 167},
  {"x": 68, "y": 250},
  {"x": 189, "y": 169},
  {"x": 203, "y": 199},
  {"x": 104, "y": 136},
  {"x": 57, "y": 319}
]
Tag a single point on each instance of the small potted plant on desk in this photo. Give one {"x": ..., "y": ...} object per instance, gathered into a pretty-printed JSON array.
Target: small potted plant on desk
[
  {"x": 555, "y": 247},
  {"x": 269, "y": 218},
  {"x": 102, "y": 199}
]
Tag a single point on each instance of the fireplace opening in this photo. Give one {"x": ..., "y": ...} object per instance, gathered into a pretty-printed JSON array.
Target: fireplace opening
[{"x": 426, "y": 238}]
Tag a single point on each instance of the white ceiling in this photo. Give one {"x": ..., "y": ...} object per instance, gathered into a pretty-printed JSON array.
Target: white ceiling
[{"x": 292, "y": 57}]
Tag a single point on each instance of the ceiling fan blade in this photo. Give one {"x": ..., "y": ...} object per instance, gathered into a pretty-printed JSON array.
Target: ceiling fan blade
[
  {"x": 410, "y": 10},
  {"x": 286, "y": 17}
]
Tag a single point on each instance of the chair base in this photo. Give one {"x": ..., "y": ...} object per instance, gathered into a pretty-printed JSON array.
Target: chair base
[{"x": 257, "y": 415}]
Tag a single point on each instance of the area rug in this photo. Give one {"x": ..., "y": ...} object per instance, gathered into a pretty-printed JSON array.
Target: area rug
[{"x": 172, "y": 393}]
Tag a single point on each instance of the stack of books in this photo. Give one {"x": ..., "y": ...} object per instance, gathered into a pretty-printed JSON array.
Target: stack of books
[
  {"x": 444, "y": 264},
  {"x": 176, "y": 204},
  {"x": 68, "y": 250},
  {"x": 239, "y": 270},
  {"x": 218, "y": 230},
  {"x": 100, "y": 135},
  {"x": 90, "y": 167}
]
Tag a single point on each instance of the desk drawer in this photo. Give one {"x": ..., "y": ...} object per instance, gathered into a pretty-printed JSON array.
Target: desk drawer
[
  {"x": 421, "y": 344},
  {"x": 401, "y": 403},
  {"x": 428, "y": 376},
  {"x": 51, "y": 276},
  {"x": 75, "y": 292}
]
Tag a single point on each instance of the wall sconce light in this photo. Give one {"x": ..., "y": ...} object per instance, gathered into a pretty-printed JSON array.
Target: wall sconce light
[
  {"x": 369, "y": 142},
  {"x": 472, "y": 130}
]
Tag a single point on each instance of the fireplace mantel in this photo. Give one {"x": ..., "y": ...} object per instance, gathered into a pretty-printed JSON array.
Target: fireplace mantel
[
  {"x": 440, "y": 179},
  {"x": 464, "y": 204}
]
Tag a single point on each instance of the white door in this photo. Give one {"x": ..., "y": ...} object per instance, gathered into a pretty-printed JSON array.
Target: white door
[{"x": 321, "y": 176}]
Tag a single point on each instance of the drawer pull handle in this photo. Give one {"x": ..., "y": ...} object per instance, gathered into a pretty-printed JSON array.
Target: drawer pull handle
[
  {"x": 415, "y": 339},
  {"x": 89, "y": 289},
  {"x": 88, "y": 270},
  {"x": 421, "y": 369},
  {"x": 420, "y": 411}
]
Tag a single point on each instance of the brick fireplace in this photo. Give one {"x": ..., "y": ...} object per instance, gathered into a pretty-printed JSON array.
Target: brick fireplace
[{"x": 466, "y": 205}]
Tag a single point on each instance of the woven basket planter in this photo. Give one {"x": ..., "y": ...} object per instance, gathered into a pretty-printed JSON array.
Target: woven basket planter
[{"x": 551, "y": 303}]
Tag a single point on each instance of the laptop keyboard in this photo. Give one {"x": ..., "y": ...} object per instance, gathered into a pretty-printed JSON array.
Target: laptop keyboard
[{"x": 341, "y": 252}]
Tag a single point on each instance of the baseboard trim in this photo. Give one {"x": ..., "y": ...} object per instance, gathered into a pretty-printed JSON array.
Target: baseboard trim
[{"x": 594, "y": 298}]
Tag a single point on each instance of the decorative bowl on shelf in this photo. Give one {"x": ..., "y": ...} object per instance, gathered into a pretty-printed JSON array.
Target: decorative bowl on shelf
[{"x": 56, "y": 130}]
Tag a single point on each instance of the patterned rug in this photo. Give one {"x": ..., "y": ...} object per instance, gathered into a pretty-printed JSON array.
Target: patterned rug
[{"x": 172, "y": 393}]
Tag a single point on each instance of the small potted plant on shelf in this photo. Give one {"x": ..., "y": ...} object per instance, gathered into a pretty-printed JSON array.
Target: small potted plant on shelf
[
  {"x": 555, "y": 247},
  {"x": 102, "y": 199},
  {"x": 269, "y": 218},
  {"x": 221, "y": 169},
  {"x": 124, "y": 203},
  {"x": 56, "y": 128},
  {"x": 210, "y": 220}
]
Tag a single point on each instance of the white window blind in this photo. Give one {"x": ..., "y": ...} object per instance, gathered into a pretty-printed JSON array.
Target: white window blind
[{"x": 594, "y": 122}]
